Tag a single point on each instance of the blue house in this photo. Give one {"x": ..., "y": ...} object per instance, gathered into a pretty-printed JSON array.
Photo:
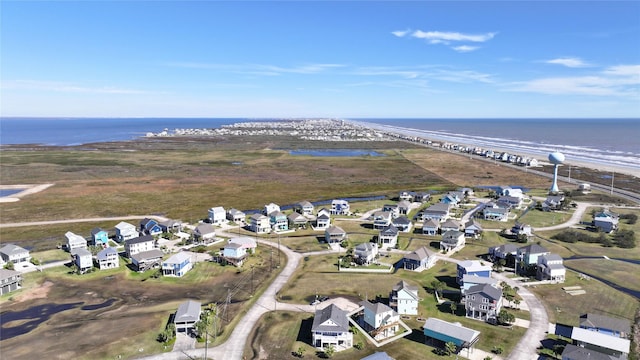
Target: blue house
[
  {"x": 99, "y": 237},
  {"x": 177, "y": 265},
  {"x": 472, "y": 267},
  {"x": 150, "y": 227}
]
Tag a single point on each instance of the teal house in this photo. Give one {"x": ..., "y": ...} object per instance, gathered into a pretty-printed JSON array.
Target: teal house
[
  {"x": 99, "y": 237},
  {"x": 440, "y": 332}
]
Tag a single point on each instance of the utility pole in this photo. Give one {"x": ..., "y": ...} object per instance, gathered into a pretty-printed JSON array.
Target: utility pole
[
  {"x": 251, "y": 280},
  {"x": 612, "y": 176},
  {"x": 278, "y": 250}
]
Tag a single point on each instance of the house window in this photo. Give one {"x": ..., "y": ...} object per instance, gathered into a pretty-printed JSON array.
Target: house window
[
  {"x": 485, "y": 300},
  {"x": 473, "y": 297}
]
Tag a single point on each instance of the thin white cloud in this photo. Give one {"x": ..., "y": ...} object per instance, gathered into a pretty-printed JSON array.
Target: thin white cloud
[
  {"x": 54, "y": 86},
  {"x": 444, "y": 36},
  {"x": 571, "y": 62},
  {"x": 401, "y": 33},
  {"x": 258, "y": 69},
  {"x": 465, "y": 48},
  {"x": 622, "y": 80}
]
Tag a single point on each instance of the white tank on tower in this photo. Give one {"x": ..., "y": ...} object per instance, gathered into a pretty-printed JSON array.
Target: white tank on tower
[{"x": 556, "y": 158}]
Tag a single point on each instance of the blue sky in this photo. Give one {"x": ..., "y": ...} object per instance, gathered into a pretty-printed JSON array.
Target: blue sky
[{"x": 343, "y": 59}]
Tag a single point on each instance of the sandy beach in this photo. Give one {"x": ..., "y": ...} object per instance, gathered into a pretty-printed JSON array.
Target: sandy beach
[{"x": 573, "y": 161}]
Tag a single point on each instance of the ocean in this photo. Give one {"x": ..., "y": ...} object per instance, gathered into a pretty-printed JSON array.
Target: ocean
[{"x": 604, "y": 141}]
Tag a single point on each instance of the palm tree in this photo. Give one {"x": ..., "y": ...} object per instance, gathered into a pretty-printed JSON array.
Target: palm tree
[{"x": 450, "y": 348}]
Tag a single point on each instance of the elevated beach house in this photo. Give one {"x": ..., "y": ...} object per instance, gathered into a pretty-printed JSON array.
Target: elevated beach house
[
  {"x": 204, "y": 233},
  {"x": 402, "y": 223},
  {"x": 150, "y": 227},
  {"x": 472, "y": 267},
  {"x": 323, "y": 219},
  {"x": 108, "y": 258},
  {"x": 472, "y": 229},
  {"x": 278, "y": 221},
  {"x": 529, "y": 254},
  {"x": 10, "y": 280},
  {"x": 381, "y": 219},
  {"x": 452, "y": 240},
  {"x": 483, "y": 302},
  {"x": 217, "y": 215},
  {"x": 388, "y": 237},
  {"x": 125, "y": 231},
  {"x": 269, "y": 208},
  {"x": 331, "y": 328},
  {"x": 340, "y": 207},
  {"x": 404, "y": 299},
  {"x": 420, "y": 259},
  {"x": 438, "y": 212},
  {"x": 75, "y": 241},
  {"x": 431, "y": 227},
  {"x": 82, "y": 259},
  {"x": 379, "y": 320},
  {"x": 365, "y": 253},
  {"x": 138, "y": 245},
  {"x": 99, "y": 237},
  {"x": 236, "y": 216},
  {"x": 177, "y": 265},
  {"x": 297, "y": 221},
  {"x": 146, "y": 260},
  {"x": 606, "y": 221},
  {"x": 334, "y": 235},
  {"x": 259, "y": 224},
  {"x": 304, "y": 208},
  {"x": 12, "y": 253},
  {"x": 439, "y": 332},
  {"x": 551, "y": 267},
  {"x": 187, "y": 316}
]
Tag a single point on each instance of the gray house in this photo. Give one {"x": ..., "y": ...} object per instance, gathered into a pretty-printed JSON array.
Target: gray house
[
  {"x": 10, "y": 280},
  {"x": 366, "y": 253},
  {"x": 187, "y": 316},
  {"x": 14, "y": 253},
  {"x": 331, "y": 328},
  {"x": 483, "y": 302}
]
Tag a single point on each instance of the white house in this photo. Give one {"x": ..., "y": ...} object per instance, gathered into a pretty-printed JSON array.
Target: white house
[
  {"x": 365, "y": 253},
  {"x": 15, "y": 254},
  {"x": 236, "y": 216},
  {"x": 388, "y": 237},
  {"x": 420, "y": 259},
  {"x": 379, "y": 320},
  {"x": 82, "y": 258},
  {"x": 381, "y": 219},
  {"x": 331, "y": 328},
  {"x": 269, "y": 208},
  {"x": 108, "y": 258},
  {"x": 126, "y": 231},
  {"x": 551, "y": 267},
  {"x": 259, "y": 224},
  {"x": 138, "y": 245},
  {"x": 404, "y": 298},
  {"x": 75, "y": 241},
  {"x": 340, "y": 207},
  {"x": 217, "y": 215},
  {"x": 304, "y": 208},
  {"x": 452, "y": 240},
  {"x": 204, "y": 233}
]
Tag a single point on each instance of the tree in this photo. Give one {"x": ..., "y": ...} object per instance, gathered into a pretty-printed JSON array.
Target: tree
[
  {"x": 300, "y": 352},
  {"x": 453, "y": 306},
  {"x": 329, "y": 351},
  {"x": 438, "y": 286},
  {"x": 9, "y": 266},
  {"x": 516, "y": 302},
  {"x": 450, "y": 348},
  {"x": 505, "y": 317},
  {"x": 497, "y": 350}
]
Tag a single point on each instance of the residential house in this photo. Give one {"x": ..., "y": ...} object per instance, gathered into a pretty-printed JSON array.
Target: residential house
[
  {"x": 420, "y": 259},
  {"x": 150, "y": 227},
  {"x": 204, "y": 232},
  {"x": 323, "y": 221},
  {"x": 553, "y": 202},
  {"x": 247, "y": 243},
  {"x": 606, "y": 324},
  {"x": 392, "y": 209},
  {"x": 450, "y": 225},
  {"x": 469, "y": 281},
  {"x": 452, "y": 240},
  {"x": 483, "y": 302},
  {"x": 278, "y": 221},
  {"x": 584, "y": 188},
  {"x": 126, "y": 231},
  {"x": 340, "y": 207},
  {"x": 365, "y": 253},
  {"x": 99, "y": 237},
  {"x": 402, "y": 223},
  {"x": 259, "y": 224},
  {"x": 381, "y": 219},
  {"x": 493, "y": 212},
  {"x": 269, "y": 208},
  {"x": 217, "y": 215},
  {"x": 509, "y": 191},
  {"x": 334, "y": 235},
  {"x": 520, "y": 229},
  {"x": 404, "y": 298},
  {"x": 421, "y": 196},
  {"x": 82, "y": 259},
  {"x": 472, "y": 229},
  {"x": 601, "y": 342},
  {"x": 297, "y": 221},
  {"x": 304, "y": 208},
  {"x": 108, "y": 258},
  {"x": 450, "y": 199},
  {"x": 606, "y": 221},
  {"x": 10, "y": 280},
  {"x": 466, "y": 192},
  {"x": 438, "y": 212},
  {"x": 75, "y": 241},
  {"x": 472, "y": 267},
  {"x": 331, "y": 328},
  {"x": 529, "y": 254},
  {"x": 431, "y": 227},
  {"x": 404, "y": 207},
  {"x": 379, "y": 320},
  {"x": 187, "y": 316},
  {"x": 15, "y": 254},
  {"x": 388, "y": 237},
  {"x": 572, "y": 352},
  {"x": 177, "y": 265},
  {"x": 406, "y": 195},
  {"x": 234, "y": 253},
  {"x": 146, "y": 260},
  {"x": 512, "y": 201},
  {"x": 139, "y": 244},
  {"x": 550, "y": 267},
  {"x": 506, "y": 251},
  {"x": 170, "y": 226},
  {"x": 236, "y": 216},
  {"x": 444, "y": 332}
]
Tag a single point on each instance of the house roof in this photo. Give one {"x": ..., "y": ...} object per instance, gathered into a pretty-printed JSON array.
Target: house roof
[
  {"x": 258, "y": 216},
  {"x": 490, "y": 291},
  {"x": 572, "y": 352},
  {"x": 245, "y": 241},
  {"x": 532, "y": 249},
  {"x": 178, "y": 258},
  {"x": 335, "y": 315},
  {"x": 601, "y": 339},
  {"x": 304, "y": 204},
  {"x": 454, "y": 330},
  {"x": 389, "y": 231},
  {"x": 204, "y": 229},
  {"x": 452, "y": 235},
  {"x": 378, "y": 356},
  {"x": 450, "y": 224},
  {"x": 376, "y": 308},
  {"x": 96, "y": 231},
  {"x": 323, "y": 217},
  {"x": 365, "y": 247},
  {"x": 235, "y": 212},
  {"x": 149, "y": 254},
  {"x": 473, "y": 265},
  {"x": 551, "y": 257},
  {"x": 188, "y": 311},
  {"x": 401, "y": 220},
  {"x": 473, "y": 223},
  {"x": 139, "y": 240},
  {"x": 12, "y": 249},
  {"x": 80, "y": 252},
  {"x": 438, "y": 208},
  {"x": 125, "y": 226},
  {"x": 420, "y": 254},
  {"x": 296, "y": 217},
  {"x": 410, "y": 289},
  {"x": 431, "y": 223},
  {"x": 605, "y": 322},
  {"x": 71, "y": 237},
  {"x": 276, "y": 214},
  {"x": 508, "y": 248},
  {"x": 232, "y": 245},
  {"x": 475, "y": 279},
  {"x": 217, "y": 209},
  {"x": 102, "y": 255},
  {"x": 6, "y": 274},
  {"x": 335, "y": 230},
  {"x": 404, "y": 204}
]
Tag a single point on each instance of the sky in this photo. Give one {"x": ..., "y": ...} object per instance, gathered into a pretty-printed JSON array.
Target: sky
[{"x": 341, "y": 59}]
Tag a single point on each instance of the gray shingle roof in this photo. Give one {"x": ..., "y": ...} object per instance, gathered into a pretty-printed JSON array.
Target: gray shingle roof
[
  {"x": 605, "y": 322},
  {"x": 188, "y": 311},
  {"x": 102, "y": 255},
  {"x": 490, "y": 291},
  {"x": 333, "y": 313},
  {"x": 12, "y": 249},
  {"x": 420, "y": 254},
  {"x": 139, "y": 239}
]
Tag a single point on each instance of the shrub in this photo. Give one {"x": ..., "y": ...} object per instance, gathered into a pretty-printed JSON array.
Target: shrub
[{"x": 625, "y": 239}]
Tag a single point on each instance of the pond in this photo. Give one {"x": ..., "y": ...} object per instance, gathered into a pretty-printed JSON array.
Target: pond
[
  {"x": 9, "y": 192},
  {"x": 335, "y": 152}
]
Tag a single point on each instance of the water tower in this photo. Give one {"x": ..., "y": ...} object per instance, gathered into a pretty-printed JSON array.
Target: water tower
[{"x": 556, "y": 158}]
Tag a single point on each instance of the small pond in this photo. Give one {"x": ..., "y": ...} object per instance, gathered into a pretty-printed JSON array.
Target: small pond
[
  {"x": 9, "y": 192},
  {"x": 335, "y": 152}
]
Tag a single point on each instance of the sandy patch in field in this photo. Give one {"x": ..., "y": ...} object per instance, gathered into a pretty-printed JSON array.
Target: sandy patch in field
[
  {"x": 40, "y": 292},
  {"x": 28, "y": 190}
]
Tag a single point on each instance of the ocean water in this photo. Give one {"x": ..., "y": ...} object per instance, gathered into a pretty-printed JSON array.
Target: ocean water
[{"x": 599, "y": 141}]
